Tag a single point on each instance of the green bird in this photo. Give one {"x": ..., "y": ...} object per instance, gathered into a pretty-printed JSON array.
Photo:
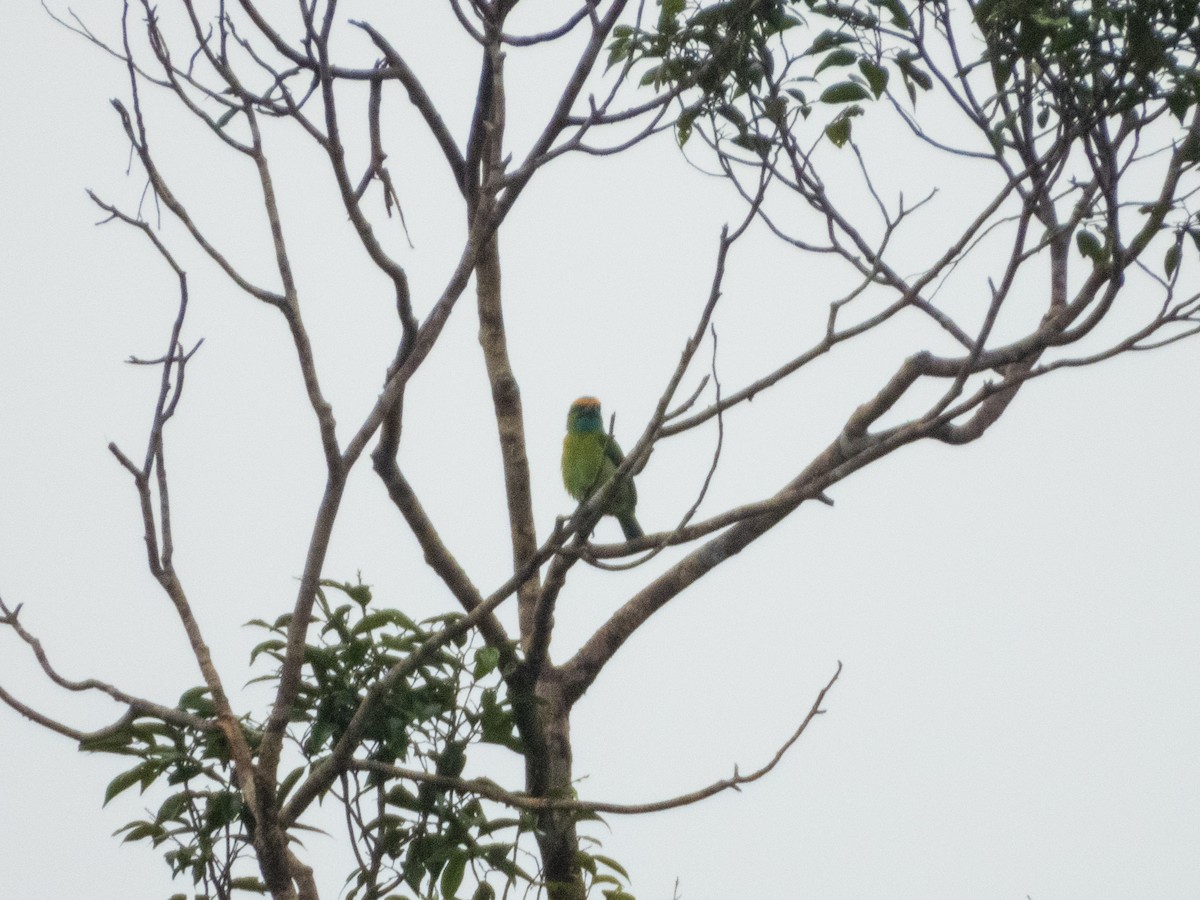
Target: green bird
[{"x": 590, "y": 457}]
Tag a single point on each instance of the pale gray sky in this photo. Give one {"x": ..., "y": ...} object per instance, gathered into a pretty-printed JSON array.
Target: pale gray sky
[{"x": 1019, "y": 619}]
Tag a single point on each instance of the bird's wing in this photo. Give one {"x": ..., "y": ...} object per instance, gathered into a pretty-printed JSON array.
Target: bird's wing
[{"x": 613, "y": 450}]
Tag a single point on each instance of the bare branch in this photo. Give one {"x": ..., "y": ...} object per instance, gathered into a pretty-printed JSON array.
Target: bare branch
[
  {"x": 489, "y": 790},
  {"x": 65, "y": 730},
  {"x": 421, "y": 101},
  {"x": 440, "y": 559},
  {"x": 675, "y": 535},
  {"x": 138, "y": 706},
  {"x": 139, "y": 142}
]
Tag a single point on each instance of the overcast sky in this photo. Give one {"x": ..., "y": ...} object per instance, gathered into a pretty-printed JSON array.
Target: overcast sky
[{"x": 1018, "y": 619}]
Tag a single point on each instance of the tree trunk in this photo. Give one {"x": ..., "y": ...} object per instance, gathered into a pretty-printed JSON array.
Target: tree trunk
[{"x": 548, "y": 774}]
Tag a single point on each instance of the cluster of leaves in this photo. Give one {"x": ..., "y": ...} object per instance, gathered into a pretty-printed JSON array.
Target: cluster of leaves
[
  {"x": 203, "y": 824},
  {"x": 354, "y": 646},
  {"x": 1085, "y": 61},
  {"x": 426, "y": 838},
  {"x": 602, "y": 873},
  {"x": 1098, "y": 248},
  {"x": 730, "y": 64},
  {"x": 752, "y": 71},
  {"x": 1082, "y": 63},
  {"x": 1077, "y": 61}
]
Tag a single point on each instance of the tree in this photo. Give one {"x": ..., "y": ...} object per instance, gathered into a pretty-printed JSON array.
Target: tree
[{"x": 1067, "y": 109}]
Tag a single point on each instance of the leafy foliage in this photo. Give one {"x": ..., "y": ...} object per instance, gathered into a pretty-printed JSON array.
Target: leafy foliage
[
  {"x": 1042, "y": 78},
  {"x": 741, "y": 65},
  {"x": 1096, "y": 72},
  {"x": 1089, "y": 60},
  {"x": 428, "y": 839},
  {"x": 733, "y": 64},
  {"x": 202, "y": 823}
]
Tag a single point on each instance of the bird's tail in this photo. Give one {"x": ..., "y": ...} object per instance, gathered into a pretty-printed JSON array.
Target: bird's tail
[{"x": 629, "y": 525}]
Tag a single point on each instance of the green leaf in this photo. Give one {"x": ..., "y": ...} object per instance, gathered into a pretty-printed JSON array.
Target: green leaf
[
  {"x": 498, "y": 825},
  {"x": 913, "y": 77},
  {"x": 671, "y": 10},
  {"x": 755, "y": 143},
  {"x": 221, "y": 810},
  {"x": 684, "y": 124},
  {"x": 359, "y": 593},
  {"x": 414, "y": 866},
  {"x": 827, "y": 40},
  {"x": 876, "y": 75},
  {"x": 731, "y": 113},
  {"x": 1190, "y": 152},
  {"x": 289, "y": 782},
  {"x": 921, "y": 77},
  {"x": 844, "y": 92},
  {"x": 147, "y": 731},
  {"x": 274, "y": 644},
  {"x": 838, "y": 131},
  {"x": 1143, "y": 44},
  {"x": 586, "y": 862},
  {"x": 484, "y": 892},
  {"x": 775, "y": 109},
  {"x": 617, "y": 51},
  {"x": 840, "y": 57},
  {"x": 1179, "y": 102},
  {"x": 123, "y": 782},
  {"x": 371, "y": 621},
  {"x": 140, "y": 831},
  {"x": 651, "y": 76},
  {"x": 900, "y": 17},
  {"x": 486, "y": 660},
  {"x": 184, "y": 772},
  {"x": 453, "y": 759},
  {"x": 319, "y": 657},
  {"x": 497, "y": 856},
  {"x": 1089, "y": 245},
  {"x": 450, "y": 618},
  {"x": 1171, "y": 260},
  {"x": 612, "y": 864},
  {"x": 197, "y": 701},
  {"x": 172, "y": 807},
  {"x": 398, "y": 795},
  {"x": 452, "y": 875},
  {"x": 1002, "y": 71},
  {"x": 112, "y": 743}
]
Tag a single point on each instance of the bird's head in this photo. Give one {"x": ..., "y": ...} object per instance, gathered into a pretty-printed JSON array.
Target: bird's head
[{"x": 584, "y": 415}]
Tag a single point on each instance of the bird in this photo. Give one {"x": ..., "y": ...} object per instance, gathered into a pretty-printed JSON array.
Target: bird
[{"x": 590, "y": 457}]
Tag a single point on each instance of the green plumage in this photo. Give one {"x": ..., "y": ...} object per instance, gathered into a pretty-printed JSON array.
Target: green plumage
[{"x": 590, "y": 457}]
